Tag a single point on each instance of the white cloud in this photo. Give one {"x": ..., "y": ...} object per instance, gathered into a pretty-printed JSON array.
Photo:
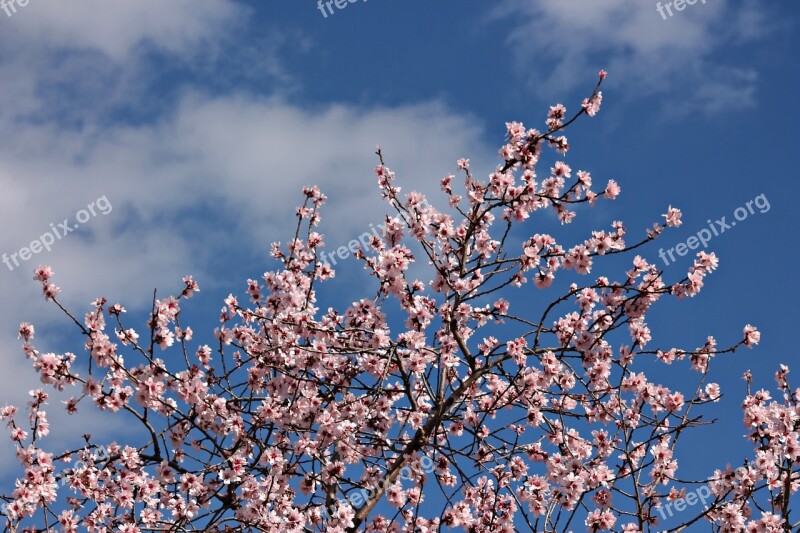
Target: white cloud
[
  {"x": 220, "y": 175},
  {"x": 57, "y": 54},
  {"x": 117, "y": 29},
  {"x": 211, "y": 175},
  {"x": 244, "y": 157},
  {"x": 562, "y": 45},
  {"x": 84, "y": 62}
]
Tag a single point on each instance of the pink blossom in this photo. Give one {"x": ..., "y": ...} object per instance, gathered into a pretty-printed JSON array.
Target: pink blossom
[
  {"x": 673, "y": 217},
  {"x": 42, "y": 273},
  {"x": 592, "y": 105},
  {"x": 431, "y": 397},
  {"x": 612, "y": 190},
  {"x": 751, "y": 335}
]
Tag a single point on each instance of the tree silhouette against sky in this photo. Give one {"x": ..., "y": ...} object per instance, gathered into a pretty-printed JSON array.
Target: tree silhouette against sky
[{"x": 422, "y": 405}]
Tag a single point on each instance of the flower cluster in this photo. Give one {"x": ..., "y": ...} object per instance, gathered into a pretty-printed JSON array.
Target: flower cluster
[{"x": 295, "y": 418}]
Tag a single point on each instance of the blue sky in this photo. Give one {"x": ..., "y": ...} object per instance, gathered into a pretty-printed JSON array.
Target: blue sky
[{"x": 201, "y": 121}]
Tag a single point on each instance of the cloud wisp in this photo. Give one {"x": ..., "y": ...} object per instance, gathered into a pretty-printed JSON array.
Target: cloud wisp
[{"x": 555, "y": 41}]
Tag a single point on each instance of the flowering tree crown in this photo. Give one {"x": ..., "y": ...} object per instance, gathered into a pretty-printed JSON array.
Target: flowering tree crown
[{"x": 429, "y": 405}]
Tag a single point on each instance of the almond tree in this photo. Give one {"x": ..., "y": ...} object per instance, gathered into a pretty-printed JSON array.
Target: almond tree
[{"x": 424, "y": 405}]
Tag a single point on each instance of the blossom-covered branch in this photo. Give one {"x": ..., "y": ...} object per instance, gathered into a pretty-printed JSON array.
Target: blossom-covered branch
[{"x": 487, "y": 397}]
